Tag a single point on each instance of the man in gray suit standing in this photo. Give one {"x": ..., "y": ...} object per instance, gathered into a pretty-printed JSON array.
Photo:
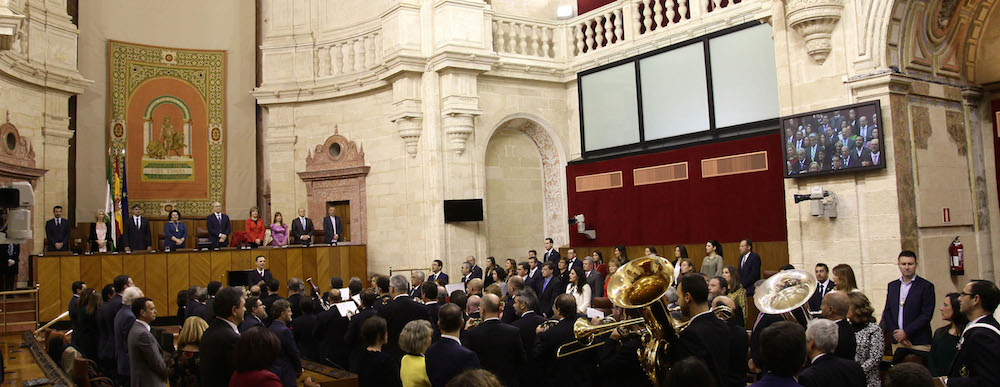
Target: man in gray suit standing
[{"x": 145, "y": 357}]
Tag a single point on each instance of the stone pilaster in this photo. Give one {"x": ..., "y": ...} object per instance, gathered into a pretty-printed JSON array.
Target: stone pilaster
[
  {"x": 972, "y": 99},
  {"x": 279, "y": 144}
]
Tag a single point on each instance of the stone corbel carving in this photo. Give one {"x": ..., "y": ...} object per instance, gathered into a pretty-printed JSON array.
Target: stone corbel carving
[
  {"x": 814, "y": 21},
  {"x": 458, "y": 127},
  {"x": 406, "y": 106},
  {"x": 9, "y": 25},
  {"x": 409, "y": 130}
]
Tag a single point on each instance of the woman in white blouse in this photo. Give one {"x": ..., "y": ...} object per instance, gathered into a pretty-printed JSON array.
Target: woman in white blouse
[
  {"x": 579, "y": 289},
  {"x": 99, "y": 233}
]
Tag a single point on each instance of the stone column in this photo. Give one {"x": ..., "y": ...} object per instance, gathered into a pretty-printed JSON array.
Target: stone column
[
  {"x": 53, "y": 188},
  {"x": 279, "y": 144}
]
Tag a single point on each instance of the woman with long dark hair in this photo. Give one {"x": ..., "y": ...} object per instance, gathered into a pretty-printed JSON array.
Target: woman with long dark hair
[
  {"x": 510, "y": 266},
  {"x": 579, "y": 289},
  {"x": 621, "y": 255},
  {"x": 736, "y": 291},
  {"x": 491, "y": 266},
  {"x": 680, "y": 252},
  {"x": 843, "y": 278},
  {"x": 599, "y": 264},
  {"x": 945, "y": 342},
  {"x": 713, "y": 263},
  {"x": 650, "y": 251},
  {"x": 86, "y": 332}
]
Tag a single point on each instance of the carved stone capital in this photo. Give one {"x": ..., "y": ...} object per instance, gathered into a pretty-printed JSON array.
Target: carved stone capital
[
  {"x": 814, "y": 21},
  {"x": 409, "y": 130},
  {"x": 458, "y": 127}
]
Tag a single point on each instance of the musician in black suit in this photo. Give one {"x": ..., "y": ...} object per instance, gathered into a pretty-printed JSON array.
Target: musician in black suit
[
  {"x": 260, "y": 276},
  {"x": 352, "y": 339},
  {"x": 436, "y": 272},
  {"x": 619, "y": 355},
  {"x": 57, "y": 231},
  {"x": 979, "y": 349},
  {"x": 304, "y": 330},
  {"x": 738, "y": 342},
  {"x": 254, "y": 316},
  {"x": 749, "y": 266},
  {"x": 526, "y": 306},
  {"x": 332, "y": 227},
  {"x": 706, "y": 337},
  {"x": 498, "y": 345},
  {"x": 447, "y": 357},
  {"x": 572, "y": 370},
  {"x": 402, "y": 309},
  {"x": 302, "y": 229},
  {"x": 825, "y": 368},
  {"x": 10, "y": 258},
  {"x": 834, "y": 308},
  {"x": 332, "y": 331},
  {"x": 551, "y": 254},
  {"x": 823, "y": 286},
  {"x": 219, "y": 227},
  {"x": 549, "y": 287},
  {"x": 219, "y": 339}
]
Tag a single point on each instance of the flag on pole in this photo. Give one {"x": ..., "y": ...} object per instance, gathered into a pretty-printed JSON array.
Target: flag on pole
[
  {"x": 109, "y": 208},
  {"x": 118, "y": 193}
]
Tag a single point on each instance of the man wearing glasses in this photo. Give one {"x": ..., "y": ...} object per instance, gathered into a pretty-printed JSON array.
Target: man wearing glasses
[{"x": 979, "y": 347}]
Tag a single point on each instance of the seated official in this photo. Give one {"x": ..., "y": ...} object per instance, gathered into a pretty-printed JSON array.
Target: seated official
[
  {"x": 825, "y": 368},
  {"x": 375, "y": 367},
  {"x": 184, "y": 365},
  {"x": 279, "y": 231},
  {"x": 99, "y": 241},
  {"x": 572, "y": 370},
  {"x": 255, "y": 352},
  {"x": 497, "y": 345},
  {"x": 979, "y": 349},
  {"x": 219, "y": 227},
  {"x": 447, "y": 357},
  {"x": 174, "y": 232},
  {"x": 783, "y": 351},
  {"x": 57, "y": 231},
  {"x": 413, "y": 342},
  {"x": 255, "y": 228}
]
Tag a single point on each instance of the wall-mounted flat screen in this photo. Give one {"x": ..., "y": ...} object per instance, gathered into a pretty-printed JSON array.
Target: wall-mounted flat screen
[{"x": 843, "y": 139}]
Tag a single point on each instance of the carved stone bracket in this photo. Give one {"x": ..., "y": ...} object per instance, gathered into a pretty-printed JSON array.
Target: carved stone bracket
[
  {"x": 458, "y": 127},
  {"x": 336, "y": 171},
  {"x": 409, "y": 130},
  {"x": 814, "y": 20}
]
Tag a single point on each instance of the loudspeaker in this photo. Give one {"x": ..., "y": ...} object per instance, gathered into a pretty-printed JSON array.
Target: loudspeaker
[{"x": 464, "y": 210}]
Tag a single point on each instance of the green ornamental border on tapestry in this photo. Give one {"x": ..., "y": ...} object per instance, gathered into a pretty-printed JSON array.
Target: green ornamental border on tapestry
[{"x": 129, "y": 65}]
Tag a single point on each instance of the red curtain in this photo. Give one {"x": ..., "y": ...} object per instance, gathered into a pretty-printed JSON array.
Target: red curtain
[{"x": 584, "y": 6}]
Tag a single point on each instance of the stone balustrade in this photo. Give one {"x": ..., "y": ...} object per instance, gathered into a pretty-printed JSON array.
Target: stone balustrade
[
  {"x": 519, "y": 36},
  {"x": 349, "y": 55}
]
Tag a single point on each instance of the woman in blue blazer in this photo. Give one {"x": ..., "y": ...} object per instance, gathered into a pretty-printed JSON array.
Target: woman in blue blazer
[{"x": 174, "y": 232}]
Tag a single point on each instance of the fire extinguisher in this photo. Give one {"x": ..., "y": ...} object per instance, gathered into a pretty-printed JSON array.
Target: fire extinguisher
[{"x": 956, "y": 251}]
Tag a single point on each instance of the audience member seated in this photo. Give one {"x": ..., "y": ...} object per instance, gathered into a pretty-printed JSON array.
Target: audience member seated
[
  {"x": 573, "y": 370},
  {"x": 909, "y": 374},
  {"x": 944, "y": 345},
  {"x": 579, "y": 289},
  {"x": 979, "y": 349},
  {"x": 825, "y": 368},
  {"x": 474, "y": 378},
  {"x": 184, "y": 365},
  {"x": 219, "y": 340},
  {"x": 497, "y": 345},
  {"x": 288, "y": 365},
  {"x": 783, "y": 351},
  {"x": 304, "y": 329},
  {"x": 255, "y": 352},
  {"x": 447, "y": 357},
  {"x": 834, "y": 308},
  {"x": 868, "y": 335},
  {"x": 413, "y": 342},
  {"x": 174, "y": 232}
]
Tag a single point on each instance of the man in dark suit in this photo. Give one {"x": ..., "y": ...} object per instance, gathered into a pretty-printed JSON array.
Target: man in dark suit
[
  {"x": 136, "y": 231},
  {"x": 979, "y": 349},
  {"x": 272, "y": 295},
  {"x": 497, "y": 345},
  {"x": 783, "y": 352},
  {"x": 549, "y": 287},
  {"x": 146, "y": 359},
  {"x": 571, "y": 259},
  {"x": 10, "y": 257},
  {"x": 352, "y": 339},
  {"x": 305, "y": 328},
  {"x": 874, "y": 152},
  {"x": 526, "y": 305},
  {"x": 57, "y": 231},
  {"x": 834, "y": 308},
  {"x": 124, "y": 320},
  {"x": 416, "y": 279},
  {"x": 594, "y": 278},
  {"x": 106, "y": 326},
  {"x": 551, "y": 254},
  {"x": 254, "y": 316},
  {"x": 332, "y": 331},
  {"x": 823, "y": 286},
  {"x": 288, "y": 365},
  {"x": 296, "y": 290},
  {"x": 572, "y": 370},
  {"x": 219, "y": 339},
  {"x": 859, "y": 152},
  {"x": 620, "y": 354},
  {"x": 477, "y": 272},
  {"x": 429, "y": 296},
  {"x": 825, "y": 368},
  {"x": 534, "y": 276},
  {"x": 749, "y": 267},
  {"x": 467, "y": 273},
  {"x": 447, "y": 357},
  {"x": 302, "y": 229},
  {"x": 514, "y": 284},
  {"x": 909, "y": 308},
  {"x": 402, "y": 309},
  {"x": 219, "y": 227},
  {"x": 208, "y": 313},
  {"x": 706, "y": 337},
  {"x": 332, "y": 227},
  {"x": 196, "y": 306},
  {"x": 74, "y": 310},
  {"x": 259, "y": 276},
  {"x": 436, "y": 272}
]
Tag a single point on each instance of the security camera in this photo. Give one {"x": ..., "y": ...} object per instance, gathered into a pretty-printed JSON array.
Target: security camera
[
  {"x": 15, "y": 200},
  {"x": 581, "y": 227}
]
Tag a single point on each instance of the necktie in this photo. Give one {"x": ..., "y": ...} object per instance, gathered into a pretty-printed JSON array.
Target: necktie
[
  {"x": 219, "y": 217},
  {"x": 10, "y": 250}
]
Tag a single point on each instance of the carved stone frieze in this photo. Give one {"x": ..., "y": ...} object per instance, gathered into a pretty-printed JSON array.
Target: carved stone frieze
[{"x": 814, "y": 20}]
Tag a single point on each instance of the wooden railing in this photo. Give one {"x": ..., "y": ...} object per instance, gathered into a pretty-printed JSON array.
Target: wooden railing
[{"x": 4, "y": 296}]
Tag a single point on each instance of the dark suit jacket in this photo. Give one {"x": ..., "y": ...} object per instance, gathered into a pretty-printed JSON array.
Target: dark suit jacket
[
  {"x": 288, "y": 364},
  {"x": 855, "y": 160},
  {"x": 918, "y": 309},
  {"x": 547, "y": 295},
  {"x": 352, "y": 338},
  {"x": 92, "y": 238},
  {"x": 5, "y": 255},
  {"x": 215, "y": 228},
  {"x": 195, "y": 308},
  {"x": 216, "y": 347},
  {"x": 573, "y": 370},
  {"x": 86, "y": 333},
  {"x": 400, "y": 311},
  {"x": 763, "y": 321},
  {"x": 847, "y": 344},
  {"x": 532, "y": 281},
  {"x": 832, "y": 371},
  {"x": 817, "y": 298},
  {"x": 576, "y": 262},
  {"x": 298, "y": 230},
  {"x": 550, "y": 257},
  {"x": 977, "y": 356},
  {"x": 106, "y": 326},
  {"x": 57, "y": 234},
  {"x": 74, "y": 319},
  {"x": 295, "y": 300},
  {"x": 706, "y": 338},
  {"x": 772, "y": 380},
  {"x": 509, "y": 314},
  {"x": 124, "y": 320},
  {"x": 304, "y": 329},
  {"x": 331, "y": 333},
  {"x": 328, "y": 229},
  {"x": 447, "y": 358},
  {"x": 499, "y": 348},
  {"x": 434, "y": 277},
  {"x": 146, "y": 359},
  {"x": 749, "y": 272},
  {"x": 432, "y": 310},
  {"x": 255, "y": 278},
  {"x": 527, "y": 324},
  {"x": 596, "y": 282},
  {"x": 738, "y": 346},
  {"x": 137, "y": 235},
  {"x": 477, "y": 272},
  {"x": 620, "y": 365},
  {"x": 250, "y": 321}
]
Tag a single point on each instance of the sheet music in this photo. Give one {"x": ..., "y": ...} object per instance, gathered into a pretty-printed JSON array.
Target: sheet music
[
  {"x": 347, "y": 309},
  {"x": 453, "y": 287},
  {"x": 591, "y": 313}
]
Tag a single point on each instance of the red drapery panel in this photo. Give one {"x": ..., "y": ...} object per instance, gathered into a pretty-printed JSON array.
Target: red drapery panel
[{"x": 584, "y": 6}]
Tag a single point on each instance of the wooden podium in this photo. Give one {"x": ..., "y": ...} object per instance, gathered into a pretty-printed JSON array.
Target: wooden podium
[{"x": 161, "y": 275}]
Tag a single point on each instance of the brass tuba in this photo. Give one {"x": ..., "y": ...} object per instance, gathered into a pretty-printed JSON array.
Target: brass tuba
[{"x": 784, "y": 292}]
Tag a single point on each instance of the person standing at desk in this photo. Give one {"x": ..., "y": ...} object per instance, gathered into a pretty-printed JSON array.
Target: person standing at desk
[
  {"x": 279, "y": 231},
  {"x": 99, "y": 233},
  {"x": 175, "y": 232},
  {"x": 302, "y": 228},
  {"x": 218, "y": 227},
  {"x": 57, "y": 231},
  {"x": 137, "y": 231},
  {"x": 332, "y": 227},
  {"x": 9, "y": 259},
  {"x": 255, "y": 228}
]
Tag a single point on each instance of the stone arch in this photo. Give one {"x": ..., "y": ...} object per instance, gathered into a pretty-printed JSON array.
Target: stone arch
[{"x": 553, "y": 159}]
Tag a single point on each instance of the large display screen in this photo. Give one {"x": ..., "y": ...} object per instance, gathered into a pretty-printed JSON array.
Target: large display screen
[{"x": 842, "y": 139}]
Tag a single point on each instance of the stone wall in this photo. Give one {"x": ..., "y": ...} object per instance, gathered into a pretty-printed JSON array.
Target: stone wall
[{"x": 513, "y": 195}]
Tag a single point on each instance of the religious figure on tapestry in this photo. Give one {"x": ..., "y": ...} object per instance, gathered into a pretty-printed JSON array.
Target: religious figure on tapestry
[{"x": 170, "y": 141}]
